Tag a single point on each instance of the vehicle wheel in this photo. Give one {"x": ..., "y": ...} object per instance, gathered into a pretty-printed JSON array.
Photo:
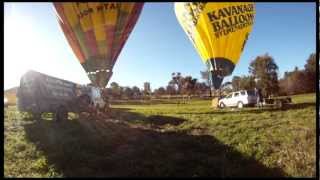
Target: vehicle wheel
[
  {"x": 279, "y": 104},
  {"x": 61, "y": 114},
  {"x": 222, "y": 105},
  {"x": 36, "y": 113},
  {"x": 240, "y": 104},
  {"x": 36, "y": 116}
]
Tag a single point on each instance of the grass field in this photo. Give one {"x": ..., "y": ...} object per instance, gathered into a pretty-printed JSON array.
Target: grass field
[{"x": 166, "y": 139}]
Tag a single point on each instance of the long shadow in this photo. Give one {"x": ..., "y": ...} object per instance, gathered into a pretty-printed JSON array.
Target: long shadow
[
  {"x": 256, "y": 110},
  {"x": 146, "y": 102},
  {"x": 124, "y": 114},
  {"x": 107, "y": 148}
]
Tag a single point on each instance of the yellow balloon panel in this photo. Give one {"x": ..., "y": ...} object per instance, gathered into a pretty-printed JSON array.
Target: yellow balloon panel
[{"x": 217, "y": 29}]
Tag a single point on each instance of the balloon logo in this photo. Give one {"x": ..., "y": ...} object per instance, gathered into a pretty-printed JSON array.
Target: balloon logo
[
  {"x": 218, "y": 31},
  {"x": 97, "y": 32}
]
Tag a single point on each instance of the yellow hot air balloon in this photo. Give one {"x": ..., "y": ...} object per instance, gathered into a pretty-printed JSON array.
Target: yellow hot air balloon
[
  {"x": 218, "y": 31},
  {"x": 97, "y": 32}
]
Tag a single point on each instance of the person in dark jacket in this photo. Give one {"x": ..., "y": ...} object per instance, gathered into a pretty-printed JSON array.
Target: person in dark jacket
[{"x": 258, "y": 94}]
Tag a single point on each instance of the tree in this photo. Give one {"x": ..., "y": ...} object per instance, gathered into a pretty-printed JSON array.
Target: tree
[
  {"x": 201, "y": 88},
  {"x": 310, "y": 73},
  {"x": 176, "y": 81},
  {"x": 160, "y": 91},
  {"x": 114, "y": 85},
  {"x": 300, "y": 81},
  {"x": 121, "y": 92},
  {"x": 107, "y": 94},
  {"x": 293, "y": 82},
  {"x": 243, "y": 83},
  {"x": 236, "y": 83},
  {"x": 226, "y": 87},
  {"x": 136, "y": 92},
  {"x": 115, "y": 90},
  {"x": 311, "y": 65},
  {"x": 247, "y": 83},
  {"x": 170, "y": 89},
  {"x": 265, "y": 71},
  {"x": 188, "y": 85},
  {"x": 128, "y": 92}
]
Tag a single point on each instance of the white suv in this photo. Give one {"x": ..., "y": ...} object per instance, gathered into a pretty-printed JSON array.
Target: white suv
[{"x": 238, "y": 99}]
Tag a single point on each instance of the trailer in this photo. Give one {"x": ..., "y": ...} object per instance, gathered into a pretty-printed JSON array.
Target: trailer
[
  {"x": 278, "y": 102},
  {"x": 39, "y": 93}
]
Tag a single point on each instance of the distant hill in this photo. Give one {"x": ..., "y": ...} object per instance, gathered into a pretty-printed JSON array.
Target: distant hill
[{"x": 11, "y": 95}]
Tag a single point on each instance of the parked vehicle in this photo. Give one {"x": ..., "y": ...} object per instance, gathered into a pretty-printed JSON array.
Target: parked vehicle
[
  {"x": 238, "y": 99},
  {"x": 39, "y": 93}
]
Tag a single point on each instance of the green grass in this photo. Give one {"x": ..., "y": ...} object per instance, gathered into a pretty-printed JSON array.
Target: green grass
[{"x": 166, "y": 139}]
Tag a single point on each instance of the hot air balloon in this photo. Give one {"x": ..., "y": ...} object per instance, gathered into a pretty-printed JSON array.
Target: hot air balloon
[
  {"x": 218, "y": 31},
  {"x": 97, "y": 32}
]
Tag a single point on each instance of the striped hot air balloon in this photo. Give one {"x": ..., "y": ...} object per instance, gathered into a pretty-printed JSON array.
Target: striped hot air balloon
[
  {"x": 218, "y": 32},
  {"x": 97, "y": 32}
]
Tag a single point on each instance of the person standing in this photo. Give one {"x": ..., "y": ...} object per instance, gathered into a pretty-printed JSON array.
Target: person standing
[{"x": 259, "y": 97}]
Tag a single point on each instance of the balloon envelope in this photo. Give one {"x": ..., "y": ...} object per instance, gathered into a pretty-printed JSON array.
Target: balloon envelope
[
  {"x": 218, "y": 31},
  {"x": 97, "y": 32}
]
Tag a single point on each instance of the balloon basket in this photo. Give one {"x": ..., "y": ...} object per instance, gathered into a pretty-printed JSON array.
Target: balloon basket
[{"x": 214, "y": 103}]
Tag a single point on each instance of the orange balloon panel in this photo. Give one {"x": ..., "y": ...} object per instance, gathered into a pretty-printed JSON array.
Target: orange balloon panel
[{"x": 97, "y": 32}]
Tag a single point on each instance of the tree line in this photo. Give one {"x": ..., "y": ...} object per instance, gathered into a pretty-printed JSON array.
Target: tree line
[
  {"x": 178, "y": 85},
  {"x": 263, "y": 74}
]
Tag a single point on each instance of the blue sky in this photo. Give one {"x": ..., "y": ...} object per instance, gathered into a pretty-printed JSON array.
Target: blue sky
[{"x": 156, "y": 47}]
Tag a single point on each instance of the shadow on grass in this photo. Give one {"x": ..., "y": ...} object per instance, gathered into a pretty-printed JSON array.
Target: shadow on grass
[
  {"x": 124, "y": 114},
  {"x": 145, "y": 102},
  {"x": 256, "y": 110},
  {"x": 106, "y": 148}
]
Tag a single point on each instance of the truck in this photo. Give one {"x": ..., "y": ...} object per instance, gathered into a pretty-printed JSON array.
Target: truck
[{"x": 40, "y": 93}]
